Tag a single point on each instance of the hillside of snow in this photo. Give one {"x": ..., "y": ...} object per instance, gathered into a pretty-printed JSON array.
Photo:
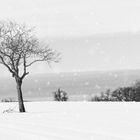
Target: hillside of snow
[{"x": 71, "y": 121}]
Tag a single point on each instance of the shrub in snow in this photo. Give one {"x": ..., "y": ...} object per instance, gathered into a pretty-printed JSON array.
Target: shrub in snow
[
  {"x": 131, "y": 93},
  {"x": 104, "y": 96},
  {"x": 60, "y": 95},
  {"x": 124, "y": 94}
]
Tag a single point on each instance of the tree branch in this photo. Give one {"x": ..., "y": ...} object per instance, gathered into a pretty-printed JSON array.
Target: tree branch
[
  {"x": 19, "y": 47},
  {"x": 34, "y": 62},
  {"x": 24, "y": 67},
  {"x": 3, "y": 62}
]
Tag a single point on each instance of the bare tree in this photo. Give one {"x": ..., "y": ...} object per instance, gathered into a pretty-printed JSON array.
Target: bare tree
[{"x": 19, "y": 49}]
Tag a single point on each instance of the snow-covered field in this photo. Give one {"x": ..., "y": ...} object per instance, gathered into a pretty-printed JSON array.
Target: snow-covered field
[{"x": 71, "y": 121}]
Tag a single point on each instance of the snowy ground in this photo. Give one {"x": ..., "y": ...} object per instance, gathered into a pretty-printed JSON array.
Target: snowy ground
[{"x": 71, "y": 121}]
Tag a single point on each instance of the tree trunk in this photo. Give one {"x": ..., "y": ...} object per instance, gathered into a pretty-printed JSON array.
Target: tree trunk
[{"x": 20, "y": 97}]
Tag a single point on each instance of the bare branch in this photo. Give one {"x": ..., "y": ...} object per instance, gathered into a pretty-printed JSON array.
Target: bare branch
[
  {"x": 4, "y": 63},
  {"x": 20, "y": 48}
]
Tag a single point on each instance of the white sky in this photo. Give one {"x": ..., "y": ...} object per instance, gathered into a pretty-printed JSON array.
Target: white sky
[
  {"x": 74, "y": 17},
  {"x": 81, "y": 18}
]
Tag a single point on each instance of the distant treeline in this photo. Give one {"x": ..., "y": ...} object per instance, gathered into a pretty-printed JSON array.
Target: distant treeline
[{"x": 130, "y": 93}]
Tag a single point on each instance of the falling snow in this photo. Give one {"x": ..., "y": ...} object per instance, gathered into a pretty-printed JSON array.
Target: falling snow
[
  {"x": 86, "y": 83},
  {"x": 97, "y": 87}
]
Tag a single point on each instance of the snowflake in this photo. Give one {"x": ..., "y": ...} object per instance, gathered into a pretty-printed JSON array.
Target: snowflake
[
  {"x": 48, "y": 83},
  {"x": 115, "y": 75},
  {"x": 76, "y": 17},
  {"x": 36, "y": 81},
  {"x": 97, "y": 23},
  {"x": 98, "y": 43},
  {"x": 75, "y": 74},
  {"x": 92, "y": 13},
  {"x": 86, "y": 83},
  {"x": 97, "y": 87},
  {"x": 86, "y": 41}
]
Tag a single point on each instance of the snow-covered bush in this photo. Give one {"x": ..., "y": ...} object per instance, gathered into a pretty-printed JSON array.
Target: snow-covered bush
[{"x": 60, "y": 95}]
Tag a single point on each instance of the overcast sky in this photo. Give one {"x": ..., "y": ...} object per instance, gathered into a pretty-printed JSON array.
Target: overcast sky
[
  {"x": 81, "y": 19},
  {"x": 74, "y": 17}
]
